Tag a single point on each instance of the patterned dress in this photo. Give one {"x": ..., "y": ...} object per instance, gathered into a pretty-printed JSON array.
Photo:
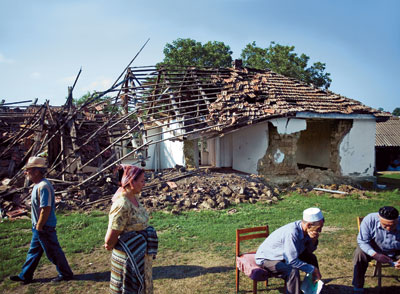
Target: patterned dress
[{"x": 125, "y": 216}]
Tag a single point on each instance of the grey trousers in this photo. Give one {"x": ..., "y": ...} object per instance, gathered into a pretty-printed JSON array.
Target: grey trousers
[
  {"x": 360, "y": 261},
  {"x": 290, "y": 274}
]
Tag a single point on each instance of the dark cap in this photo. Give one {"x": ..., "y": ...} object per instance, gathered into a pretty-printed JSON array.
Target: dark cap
[{"x": 388, "y": 212}]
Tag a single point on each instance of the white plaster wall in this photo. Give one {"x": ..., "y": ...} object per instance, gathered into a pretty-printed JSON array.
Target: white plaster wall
[
  {"x": 249, "y": 145},
  {"x": 211, "y": 152},
  {"x": 171, "y": 152},
  {"x": 223, "y": 151},
  {"x": 151, "y": 151},
  {"x": 165, "y": 154},
  {"x": 357, "y": 150}
]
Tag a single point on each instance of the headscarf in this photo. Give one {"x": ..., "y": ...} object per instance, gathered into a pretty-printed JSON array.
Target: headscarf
[{"x": 129, "y": 175}]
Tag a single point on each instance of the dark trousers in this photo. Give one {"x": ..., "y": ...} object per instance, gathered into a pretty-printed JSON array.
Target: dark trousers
[
  {"x": 290, "y": 274},
  {"x": 45, "y": 241},
  {"x": 360, "y": 261}
]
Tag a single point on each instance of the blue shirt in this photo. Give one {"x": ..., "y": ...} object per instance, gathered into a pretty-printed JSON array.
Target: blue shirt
[
  {"x": 286, "y": 244},
  {"x": 42, "y": 196},
  {"x": 371, "y": 230}
]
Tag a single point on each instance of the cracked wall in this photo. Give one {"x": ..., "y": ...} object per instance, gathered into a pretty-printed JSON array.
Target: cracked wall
[
  {"x": 315, "y": 145},
  {"x": 280, "y": 156}
]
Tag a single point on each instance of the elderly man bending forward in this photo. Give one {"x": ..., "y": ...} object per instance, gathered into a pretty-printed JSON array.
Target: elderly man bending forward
[
  {"x": 290, "y": 249},
  {"x": 379, "y": 239}
]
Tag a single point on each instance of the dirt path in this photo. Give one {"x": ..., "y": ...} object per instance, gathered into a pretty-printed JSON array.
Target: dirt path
[
  {"x": 182, "y": 274},
  {"x": 187, "y": 273}
]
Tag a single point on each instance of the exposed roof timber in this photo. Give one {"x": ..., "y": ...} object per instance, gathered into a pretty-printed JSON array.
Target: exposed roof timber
[{"x": 233, "y": 98}]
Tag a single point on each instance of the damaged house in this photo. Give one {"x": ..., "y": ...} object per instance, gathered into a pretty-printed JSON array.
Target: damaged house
[{"x": 252, "y": 121}]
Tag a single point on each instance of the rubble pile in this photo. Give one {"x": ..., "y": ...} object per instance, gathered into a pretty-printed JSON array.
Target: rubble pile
[
  {"x": 205, "y": 189},
  {"x": 80, "y": 144},
  {"x": 177, "y": 190}
]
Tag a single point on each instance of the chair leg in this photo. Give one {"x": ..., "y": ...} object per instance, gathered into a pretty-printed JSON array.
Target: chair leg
[
  {"x": 237, "y": 280},
  {"x": 254, "y": 287},
  {"x": 378, "y": 270}
]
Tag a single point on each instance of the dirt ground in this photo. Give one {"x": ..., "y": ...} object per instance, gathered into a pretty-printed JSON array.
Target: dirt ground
[{"x": 193, "y": 273}]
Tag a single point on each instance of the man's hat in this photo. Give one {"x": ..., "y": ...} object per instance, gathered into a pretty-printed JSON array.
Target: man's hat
[
  {"x": 388, "y": 212},
  {"x": 312, "y": 214},
  {"x": 35, "y": 161}
]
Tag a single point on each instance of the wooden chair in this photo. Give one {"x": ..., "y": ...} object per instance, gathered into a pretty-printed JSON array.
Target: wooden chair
[
  {"x": 245, "y": 262},
  {"x": 378, "y": 265}
]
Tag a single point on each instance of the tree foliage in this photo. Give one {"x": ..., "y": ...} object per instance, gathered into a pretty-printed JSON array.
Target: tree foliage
[
  {"x": 107, "y": 105},
  {"x": 188, "y": 52},
  {"x": 396, "y": 111},
  {"x": 283, "y": 60}
]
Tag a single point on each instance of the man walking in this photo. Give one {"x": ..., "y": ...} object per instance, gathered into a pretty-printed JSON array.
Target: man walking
[
  {"x": 289, "y": 249},
  {"x": 44, "y": 236}
]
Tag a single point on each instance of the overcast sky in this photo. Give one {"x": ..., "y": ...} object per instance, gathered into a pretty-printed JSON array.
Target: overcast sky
[{"x": 43, "y": 44}]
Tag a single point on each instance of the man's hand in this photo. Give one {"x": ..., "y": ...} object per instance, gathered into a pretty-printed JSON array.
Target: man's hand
[
  {"x": 316, "y": 275},
  {"x": 43, "y": 217},
  {"x": 382, "y": 258}
]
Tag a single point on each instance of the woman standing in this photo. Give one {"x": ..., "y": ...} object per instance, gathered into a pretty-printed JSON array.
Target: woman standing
[{"x": 132, "y": 241}]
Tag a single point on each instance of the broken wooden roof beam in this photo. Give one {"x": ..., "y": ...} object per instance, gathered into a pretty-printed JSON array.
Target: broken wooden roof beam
[
  {"x": 175, "y": 122},
  {"x": 112, "y": 164}
]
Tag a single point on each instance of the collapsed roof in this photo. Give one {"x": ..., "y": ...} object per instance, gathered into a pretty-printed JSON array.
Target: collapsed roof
[
  {"x": 82, "y": 142},
  {"x": 208, "y": 101}
]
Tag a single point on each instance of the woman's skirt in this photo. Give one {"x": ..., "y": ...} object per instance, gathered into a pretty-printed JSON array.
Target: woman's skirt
[{"x": 123, "y": 278}]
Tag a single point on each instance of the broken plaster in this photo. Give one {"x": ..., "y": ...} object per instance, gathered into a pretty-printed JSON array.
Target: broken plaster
[
  {"x": 289, "y": 126},
  {"x": 279, "y": 156}
]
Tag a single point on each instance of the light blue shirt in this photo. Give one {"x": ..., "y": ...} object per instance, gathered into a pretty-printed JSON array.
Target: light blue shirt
[
  {"x": 371, "y": 230},
  {"x": 286, "y": 244},
  {"x": 42, "y": 196}
]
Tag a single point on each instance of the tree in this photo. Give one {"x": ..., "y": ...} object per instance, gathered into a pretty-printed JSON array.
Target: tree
[
  {"x": 396, "y": 111},
  {"x": 283, "y": 60},
  {"x": 188, "y": 52},
  {"x": 107, "y": 106}
]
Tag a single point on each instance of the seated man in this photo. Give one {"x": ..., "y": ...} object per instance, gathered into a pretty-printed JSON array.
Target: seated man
[
  {"x": 379, "y": 238},
  {"x": 289, "y": 249}
]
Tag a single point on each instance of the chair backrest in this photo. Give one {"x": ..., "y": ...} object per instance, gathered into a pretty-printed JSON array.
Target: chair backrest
[
  {"x": 359, "y": 220},
  {"x": 249, "y": 234}
]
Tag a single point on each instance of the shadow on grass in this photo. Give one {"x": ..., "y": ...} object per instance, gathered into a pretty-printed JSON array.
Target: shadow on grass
[
  {"x": 331, "y": 288},
  {"x": 186, "y": 271},
  {"x": 96, "y": 277},
  {"x": 334, "y": 289}
]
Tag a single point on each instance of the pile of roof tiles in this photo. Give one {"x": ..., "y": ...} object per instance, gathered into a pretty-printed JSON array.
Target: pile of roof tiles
[{"x": 250, "y": 95}]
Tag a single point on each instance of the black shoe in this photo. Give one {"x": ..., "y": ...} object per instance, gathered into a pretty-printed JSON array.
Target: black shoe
[
  {"x": 18, "y": 279},
  {"x": 61, "y": 278}
]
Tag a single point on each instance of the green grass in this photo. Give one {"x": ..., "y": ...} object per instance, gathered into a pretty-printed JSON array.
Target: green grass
[
  {"x": 204, "y": 231},
  {"x": 390, "y": 176},
  {"x": 77, "y": 232}
]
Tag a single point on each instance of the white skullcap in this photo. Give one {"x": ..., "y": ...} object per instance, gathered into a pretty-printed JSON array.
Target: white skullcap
[{"x": 312, "y": 214}]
